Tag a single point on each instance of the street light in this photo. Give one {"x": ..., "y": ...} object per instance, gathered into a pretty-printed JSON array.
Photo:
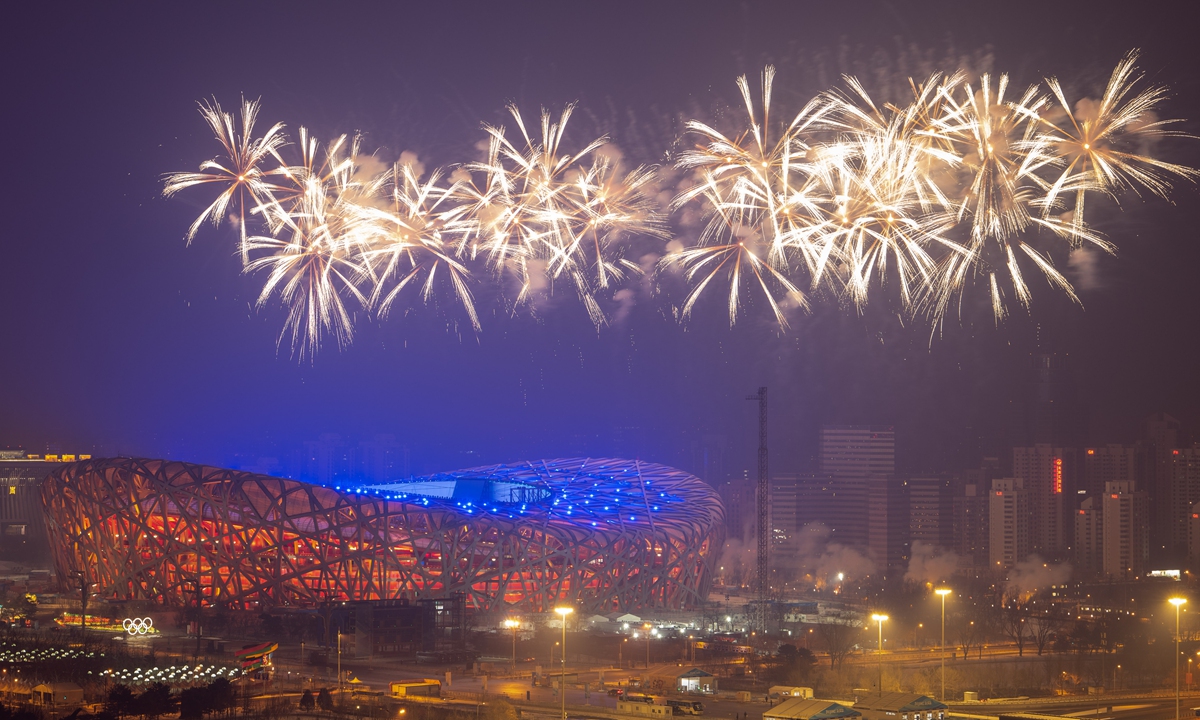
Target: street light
[
  {"x": 943, "y": 592},
  {"x": 646, "y": 627},
  {"x": 563, "y": 612},
  {"x": 513, "y": 625},
  {"x": 1177, "y": 602},
  {"x": 879, "y": 618}
]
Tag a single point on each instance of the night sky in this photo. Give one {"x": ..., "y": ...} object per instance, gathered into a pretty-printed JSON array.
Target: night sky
[{"x": 119, "y": 337}]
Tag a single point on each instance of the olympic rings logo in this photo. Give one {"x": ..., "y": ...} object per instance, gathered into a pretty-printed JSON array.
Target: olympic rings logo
[{"x": 137, "y": 626}]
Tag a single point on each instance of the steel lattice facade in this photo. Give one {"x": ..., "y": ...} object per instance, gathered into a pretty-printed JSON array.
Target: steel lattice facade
[{"x": 601, "y": 534}]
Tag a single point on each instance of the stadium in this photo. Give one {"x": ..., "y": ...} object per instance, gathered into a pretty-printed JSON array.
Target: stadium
[{"x": 600, "y": 534}]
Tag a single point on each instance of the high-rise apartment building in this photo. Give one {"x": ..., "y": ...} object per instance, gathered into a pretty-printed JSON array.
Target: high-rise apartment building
[
  {"x": 888, "y": 523},
  {"x": 1160, "y": 435},
  {"x": 840, "y": 504},
  {"x": 931, "y": 511},
  {"x": 857, "y": 450},
  {"x": 971, "y": 514},
  {"x": 737, "y": 495},
  {"x": 1104, "y": 464},
  {"x": 1089, "y": 538},
  {"x": 1009, "y": 523},
  {"x": 1126, "y": 531},
  {"x": 1184, "y": 486},
  {"x": 1047, "y": 475},
  {"x": 1194, "y": 539}
]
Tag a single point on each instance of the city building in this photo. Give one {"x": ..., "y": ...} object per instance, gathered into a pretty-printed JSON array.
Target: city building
[
  {"x": 600, "y": 534},
  {"x": 1184, "y": 486},
  {"x": 1047, "y": 475},
  {"x": 1194, "y": 539},
  {"x": 1126, "y": 531},
  {"x": 1107, "y": 463},
  {"x": 1160, "y": 436},
  {"x": 931, "y": 511},
  {"x": 22, "y": 527},
  {"x": 1010, "y": 531},
  {"x": 857, "y": 450},
  {"x": 1089, "y": 538},
  {"x": 971, "y": 514},
  {"x": 888, "y": 523}
]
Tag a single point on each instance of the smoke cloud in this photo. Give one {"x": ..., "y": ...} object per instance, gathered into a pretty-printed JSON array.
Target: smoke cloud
[
  {"x": 1034, "y": 574},
  {"x": 930, "y": 564}
]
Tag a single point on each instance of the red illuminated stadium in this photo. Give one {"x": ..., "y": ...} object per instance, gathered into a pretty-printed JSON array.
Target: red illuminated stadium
[{"x": 601, "y": 534}]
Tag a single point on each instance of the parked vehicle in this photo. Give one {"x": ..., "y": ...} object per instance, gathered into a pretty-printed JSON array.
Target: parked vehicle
[{"x": 686, "y": 707}]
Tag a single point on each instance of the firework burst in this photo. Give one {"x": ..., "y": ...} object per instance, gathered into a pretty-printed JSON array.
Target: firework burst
[{"x": 966, "y": 185}]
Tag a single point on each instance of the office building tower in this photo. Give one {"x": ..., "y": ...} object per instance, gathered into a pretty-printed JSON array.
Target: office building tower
[
  {"x": 1089, "y": 538},
  {"x": 1126, "y": 531},
  {"x": 1009, "y": 523},
  {"x": 1047, "y": 476},
  {"x": 857, "y": 450},
  {"x": 931, "y": 511}
]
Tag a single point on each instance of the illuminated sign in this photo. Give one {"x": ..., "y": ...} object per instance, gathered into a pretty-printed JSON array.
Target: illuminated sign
[
  {"x": 1057, "y": 475},
  {"x": 1164, "y": 573},
  {"x": 138, "y": 626}
]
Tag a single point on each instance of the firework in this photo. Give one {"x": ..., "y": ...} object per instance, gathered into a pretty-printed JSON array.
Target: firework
[
  {"x": 761, "y": 201},
  {"x": 967, "y": 184},
  {"x": 548, "y": 215},
  {"x": 245, "y": 182},
  {"x": 415, "y": 238},
  {"x": 313, "y": 255},
  {"x": 964, "y": 182}
]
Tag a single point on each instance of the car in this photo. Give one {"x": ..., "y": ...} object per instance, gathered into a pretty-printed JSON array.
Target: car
[{"x": 616, "y": 692}]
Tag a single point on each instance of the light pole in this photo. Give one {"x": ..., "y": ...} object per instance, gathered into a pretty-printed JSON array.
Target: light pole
[
  {"x": 1177, "y": 602},
  {"x": 513, "y": 625},
  {"x": 563, "y": 612},
  {"x": 879, "y": 618},
  {"x": 84, "y": 586},
  {"x": 943, "y": 592},
  {"x": 646, "y": 627}
]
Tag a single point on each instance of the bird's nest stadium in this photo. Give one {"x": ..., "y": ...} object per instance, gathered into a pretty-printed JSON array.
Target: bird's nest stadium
[{"x": 601, "y": 534}]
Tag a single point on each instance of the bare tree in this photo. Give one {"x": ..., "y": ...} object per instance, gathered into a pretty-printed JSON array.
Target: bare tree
[
  {"x": 1012, "y": 622},
  {"x": 837, "y": 638},
  {"x": 1045, "y": 625}
]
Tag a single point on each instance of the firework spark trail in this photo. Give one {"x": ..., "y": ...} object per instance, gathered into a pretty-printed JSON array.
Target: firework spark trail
[
  {"x": 241, "y": 172},
  {"x": 965, "y": 184},
  {"x": 549, "y": 215}
]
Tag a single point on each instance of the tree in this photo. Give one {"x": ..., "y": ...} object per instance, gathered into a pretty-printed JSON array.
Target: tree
[
  {"x": 837, "y": 638},
  {"x": 791, "y": 665},
  {"x": 325, "y": 700},
  {"x": 194, "y": 703},
  {"x": 970, "y": 634},
  {"x": 120, "y": 700},
  {"x": 306, "y": 701},
  {"x": 221, "y": 696},
  {"x": 155, "y": 701},
  {"x": 1012, "y": 622},
  {"x": 1045, "y": 625}
]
